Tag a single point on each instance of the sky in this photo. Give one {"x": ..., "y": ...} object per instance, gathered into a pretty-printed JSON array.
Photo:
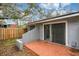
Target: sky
[
  {"x": 22, "y": 6},
  {"x": 48, "y": 6}
]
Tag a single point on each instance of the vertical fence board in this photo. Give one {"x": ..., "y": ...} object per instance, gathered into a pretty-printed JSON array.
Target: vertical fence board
[{"x": 10, "y": 33}]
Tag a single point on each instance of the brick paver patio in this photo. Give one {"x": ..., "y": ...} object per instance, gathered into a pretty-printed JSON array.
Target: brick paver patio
[{"x": 45, "y": 48}]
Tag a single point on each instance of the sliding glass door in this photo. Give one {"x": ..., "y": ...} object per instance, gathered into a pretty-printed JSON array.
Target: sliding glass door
[{"x": 58, "y": 33}]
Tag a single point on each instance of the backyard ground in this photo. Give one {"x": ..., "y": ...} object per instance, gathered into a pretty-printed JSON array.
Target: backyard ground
[{"x": 8, "y": 48}]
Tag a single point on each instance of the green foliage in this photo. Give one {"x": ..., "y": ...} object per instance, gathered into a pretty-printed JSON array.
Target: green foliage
[
  {"x": 34, "y": 10},
  {"x": 11, "y": 11},
  {"x": 1, "y": 17},
  {"x": 7, "y": 42},
  {"x": 15, "y": 17}
]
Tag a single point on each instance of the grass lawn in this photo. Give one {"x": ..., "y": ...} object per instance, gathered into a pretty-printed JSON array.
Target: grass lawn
[{"x": 8, "y": 48}]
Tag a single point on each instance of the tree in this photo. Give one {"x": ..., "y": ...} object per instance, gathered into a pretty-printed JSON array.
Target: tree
[
  {"x": 10, "y": 11},
  {"x": 34, "y": 10},
  {"x": 38, "y": 12}
]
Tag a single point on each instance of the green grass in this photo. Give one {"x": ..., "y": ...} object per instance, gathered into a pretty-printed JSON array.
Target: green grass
[{"x": 7, "y": 42}]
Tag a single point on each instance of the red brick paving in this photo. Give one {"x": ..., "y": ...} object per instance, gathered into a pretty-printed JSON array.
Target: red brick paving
[{"x": 45, "y": 48}]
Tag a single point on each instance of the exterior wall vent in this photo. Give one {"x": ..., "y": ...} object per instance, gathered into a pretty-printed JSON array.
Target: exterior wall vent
[{"x": 74, "y": 44}]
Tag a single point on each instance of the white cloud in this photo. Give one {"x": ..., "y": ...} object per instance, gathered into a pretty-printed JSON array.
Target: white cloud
[
  {"x": 63, "y": 4},
  {"x": 54, "y": 5},
  {"x": 47, "y": 5}
]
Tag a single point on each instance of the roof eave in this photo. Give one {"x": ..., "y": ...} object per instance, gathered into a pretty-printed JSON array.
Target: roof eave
[{"x": 53, "y": 19}]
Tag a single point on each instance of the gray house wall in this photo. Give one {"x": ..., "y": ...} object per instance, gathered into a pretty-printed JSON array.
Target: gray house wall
[
  {"x": 41, "y": 30},
  {"x": 73, "y": 33}
]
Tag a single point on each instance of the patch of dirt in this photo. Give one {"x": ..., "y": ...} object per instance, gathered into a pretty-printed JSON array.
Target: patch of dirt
[
  {"x": 12, "y": 50},
  {"x": 8, "y": 48}
]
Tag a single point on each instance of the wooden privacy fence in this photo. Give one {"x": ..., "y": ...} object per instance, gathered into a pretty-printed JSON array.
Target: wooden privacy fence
[{"x": 10, "y": 33}]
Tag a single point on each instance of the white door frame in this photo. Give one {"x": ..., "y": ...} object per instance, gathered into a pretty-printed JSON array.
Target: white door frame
[{"x": 66, "y": 30}]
